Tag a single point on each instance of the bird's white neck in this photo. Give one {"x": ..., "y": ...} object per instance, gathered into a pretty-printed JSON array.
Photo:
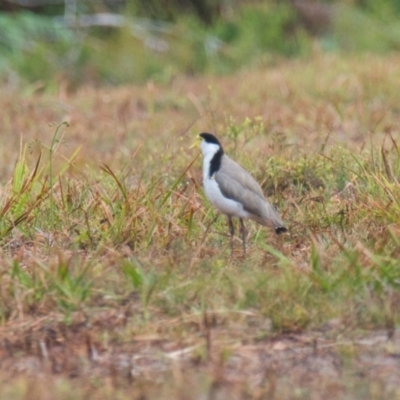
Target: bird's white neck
[{"x": 209, "y": 150}]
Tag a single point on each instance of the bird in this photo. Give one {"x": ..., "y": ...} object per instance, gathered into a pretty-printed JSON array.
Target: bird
[{"x": 233, "y": 191}]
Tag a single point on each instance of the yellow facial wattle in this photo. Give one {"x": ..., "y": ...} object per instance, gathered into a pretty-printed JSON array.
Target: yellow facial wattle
[{"x": 196, "y": 142}]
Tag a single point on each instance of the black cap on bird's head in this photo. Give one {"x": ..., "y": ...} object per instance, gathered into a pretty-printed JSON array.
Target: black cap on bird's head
[
  {"x": 210, "y": 138},
  {"x": 207, "y": 138}
]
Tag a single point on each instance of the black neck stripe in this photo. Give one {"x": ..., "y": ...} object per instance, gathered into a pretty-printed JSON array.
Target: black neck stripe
[{"x": 215, "y": 163}]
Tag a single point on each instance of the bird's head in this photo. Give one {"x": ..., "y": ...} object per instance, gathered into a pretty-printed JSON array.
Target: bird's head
[{"x": 208, "y": 143}]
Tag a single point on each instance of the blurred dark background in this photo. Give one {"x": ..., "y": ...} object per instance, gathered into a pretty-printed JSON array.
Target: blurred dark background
[{"x": 122, "y": 41}]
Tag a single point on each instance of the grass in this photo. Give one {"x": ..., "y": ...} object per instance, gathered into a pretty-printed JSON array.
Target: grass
[{"x": 115, "y": 283}]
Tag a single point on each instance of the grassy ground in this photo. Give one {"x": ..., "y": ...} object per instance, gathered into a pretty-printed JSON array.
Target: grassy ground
[{"x": 115, "y": 284}]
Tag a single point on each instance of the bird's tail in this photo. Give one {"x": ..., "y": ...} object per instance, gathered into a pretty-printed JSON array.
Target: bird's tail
[
  {"x": 280, "y": 229},
  {"x": 273, "y": 219}
]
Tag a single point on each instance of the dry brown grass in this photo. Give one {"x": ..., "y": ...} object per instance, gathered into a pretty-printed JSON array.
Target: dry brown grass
[{"x": 115, "y": 284}]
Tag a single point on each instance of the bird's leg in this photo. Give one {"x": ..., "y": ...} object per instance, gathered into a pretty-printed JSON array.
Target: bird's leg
[
  {"x": 231, "y": 231},
  {"x": 243, "y": 232}
]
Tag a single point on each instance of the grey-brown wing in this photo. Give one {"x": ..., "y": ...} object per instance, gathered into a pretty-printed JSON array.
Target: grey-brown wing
[
  {"x": 233, "y": 189},
  {"x": 237, "y": 184},
  {"x": 240, "y": 175}
]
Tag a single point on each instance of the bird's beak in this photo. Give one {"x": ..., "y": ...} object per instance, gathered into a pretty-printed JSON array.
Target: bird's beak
[{"x": 196, "y": 142}]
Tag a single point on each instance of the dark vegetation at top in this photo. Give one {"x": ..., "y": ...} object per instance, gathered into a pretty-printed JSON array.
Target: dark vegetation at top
[{"x": 53, "y": 42}]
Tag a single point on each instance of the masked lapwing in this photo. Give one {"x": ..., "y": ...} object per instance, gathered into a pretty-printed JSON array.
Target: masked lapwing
[{"x": 233, "y": 191}]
